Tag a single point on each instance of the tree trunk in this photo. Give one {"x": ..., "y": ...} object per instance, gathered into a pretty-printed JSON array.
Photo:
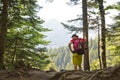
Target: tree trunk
[
  {"x": 85, "y": 34},
  {"x": 3, "y": 31},
  {"x": 99, "y": 44},
  {"x": 103, "y": 42}
]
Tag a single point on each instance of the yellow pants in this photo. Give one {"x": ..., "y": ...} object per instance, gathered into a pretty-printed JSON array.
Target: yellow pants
[{"x": 77, "y": 59}]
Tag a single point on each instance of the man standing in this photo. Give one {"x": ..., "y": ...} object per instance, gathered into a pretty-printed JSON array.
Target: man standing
[{"x": 76, "y": 46}]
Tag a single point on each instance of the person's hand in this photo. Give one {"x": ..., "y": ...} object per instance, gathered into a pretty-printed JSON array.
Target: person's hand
[{"x": 73, "y": 51}]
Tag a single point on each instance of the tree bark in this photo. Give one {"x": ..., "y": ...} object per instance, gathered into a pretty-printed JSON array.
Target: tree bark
[
  {"x": 103, "y": 42},
  {"x": 99, "y": 57},
  {"x": 85, "y": 35},
  {"x": 3, "y": 31}
]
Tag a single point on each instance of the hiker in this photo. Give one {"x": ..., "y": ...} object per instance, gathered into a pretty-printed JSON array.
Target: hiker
[{"x": 77, "y": 48}]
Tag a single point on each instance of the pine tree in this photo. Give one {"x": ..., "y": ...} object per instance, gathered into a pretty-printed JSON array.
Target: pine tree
[{"x": 23, "y": 33}]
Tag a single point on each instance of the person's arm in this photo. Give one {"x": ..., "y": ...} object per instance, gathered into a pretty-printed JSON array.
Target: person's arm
[
  {"x": 69, "y": 45},
  {"x": 84, "y": 40}
]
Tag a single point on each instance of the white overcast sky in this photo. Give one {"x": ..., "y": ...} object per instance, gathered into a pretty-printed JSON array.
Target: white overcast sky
[{"x": 60, "y": 11}]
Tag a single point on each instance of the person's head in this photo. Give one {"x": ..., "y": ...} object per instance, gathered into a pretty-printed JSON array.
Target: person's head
[{"x": 74, "y": 36}]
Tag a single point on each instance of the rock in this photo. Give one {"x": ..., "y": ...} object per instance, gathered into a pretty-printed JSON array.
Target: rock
[{"x": 111, "y": 73}]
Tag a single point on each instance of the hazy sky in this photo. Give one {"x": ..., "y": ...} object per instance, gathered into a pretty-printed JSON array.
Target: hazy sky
[
  {"x": 56, "y": 12},
  {"x": 59, "y": 10}
]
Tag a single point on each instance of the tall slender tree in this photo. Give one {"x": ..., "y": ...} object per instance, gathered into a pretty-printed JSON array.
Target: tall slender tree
[
  {"x": 85, "y": 34},
  {"x": 99, "y": 57},
  {"x": 3, "y": 29},
  {"x": 103, "y": 38}
]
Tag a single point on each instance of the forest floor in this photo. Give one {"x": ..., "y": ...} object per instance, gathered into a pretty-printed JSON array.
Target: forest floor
[{"x": 111, "y": 73}]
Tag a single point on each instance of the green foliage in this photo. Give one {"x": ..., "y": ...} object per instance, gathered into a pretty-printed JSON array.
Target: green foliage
[
  {"x": 72, "y": 28},
  {"x": 24, "y": 39},
  {"x": 38, "y": 60},
  {"x": 92, "y": 4},
  {"x": 113, "y": 36},
  {"x": 114, "y": 6},
  {"x": 95, "y": 64},
  {"x": 113, "y": 41}
]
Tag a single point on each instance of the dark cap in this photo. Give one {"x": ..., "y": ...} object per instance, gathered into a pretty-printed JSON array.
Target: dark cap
[{"x": 74, "y": 35}]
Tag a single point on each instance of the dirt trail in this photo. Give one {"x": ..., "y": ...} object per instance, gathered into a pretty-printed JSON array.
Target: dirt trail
[{"x": 111, "y": 73}]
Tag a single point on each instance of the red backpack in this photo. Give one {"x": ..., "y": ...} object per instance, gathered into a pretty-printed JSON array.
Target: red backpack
[{"x": 78, "y": 46}]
